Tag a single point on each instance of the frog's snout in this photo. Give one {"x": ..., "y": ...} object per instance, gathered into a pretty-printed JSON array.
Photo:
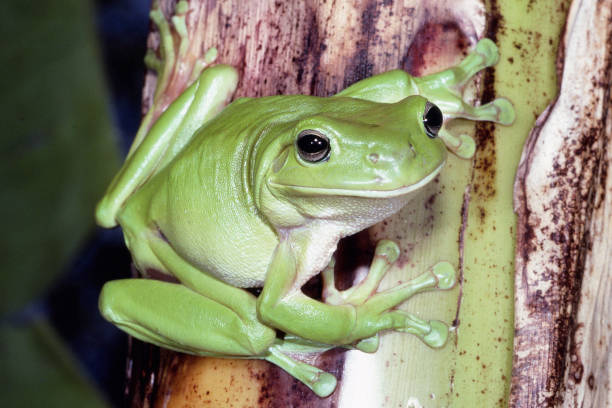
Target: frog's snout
[{"x": 391, "y": 158}]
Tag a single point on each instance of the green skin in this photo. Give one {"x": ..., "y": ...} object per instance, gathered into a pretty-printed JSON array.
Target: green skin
[{"x": 223, "y": 202}]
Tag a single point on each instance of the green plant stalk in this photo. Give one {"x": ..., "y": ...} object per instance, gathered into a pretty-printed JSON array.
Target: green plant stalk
[
  {"x": 474, "y": 369},
  {"x": 528, "y": 37}
]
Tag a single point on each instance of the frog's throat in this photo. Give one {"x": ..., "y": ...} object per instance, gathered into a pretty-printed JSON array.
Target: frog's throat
[{"x": 323, "y": 191}]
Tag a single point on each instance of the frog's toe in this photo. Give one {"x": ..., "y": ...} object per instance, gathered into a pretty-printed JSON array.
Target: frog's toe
[
  {"x": 388, "y": 250},
  {"x": 368, "y": 345},
  {"x": 437, "y": 336},
  {"x": 324, "y": 385},
  {"x": 210, "y": 55},
  {"x": 467, "y": 148},
  {"x": 463, "y": 146},
  {"x": 505, "y": 111},
  {"x": 445, "y": 275},
  {"x": 488, "y": 50},
  {"x": 319, "y": 381}
]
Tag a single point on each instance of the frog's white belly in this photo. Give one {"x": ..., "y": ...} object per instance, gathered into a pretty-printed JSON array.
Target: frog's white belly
[
  {"x": 205, "y": 211},
  {"x": 244, "y": 265},
  {"x": 233, "y": 250}
]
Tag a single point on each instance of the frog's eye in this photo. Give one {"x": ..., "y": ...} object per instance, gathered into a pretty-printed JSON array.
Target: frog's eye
[
  {"x": 432, "y": 119},
  {"x": 313, "y": 146}
]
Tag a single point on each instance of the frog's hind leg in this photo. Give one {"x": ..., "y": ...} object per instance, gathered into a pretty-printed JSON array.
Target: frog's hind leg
[
  {"x": 172, "y": 130},
  {"x": 173, "y": 316},
  {"x": 156, "y": 144}
]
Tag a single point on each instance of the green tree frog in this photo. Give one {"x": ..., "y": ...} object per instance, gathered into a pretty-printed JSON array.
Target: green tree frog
[{"x": 257, "y": 194}]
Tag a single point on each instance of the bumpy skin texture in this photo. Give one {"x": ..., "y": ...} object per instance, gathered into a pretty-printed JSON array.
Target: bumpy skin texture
[{"x": 281, "y": 179}]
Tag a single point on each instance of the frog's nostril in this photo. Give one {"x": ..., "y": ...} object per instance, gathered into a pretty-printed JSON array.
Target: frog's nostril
[{"x": 373, "y": 157}]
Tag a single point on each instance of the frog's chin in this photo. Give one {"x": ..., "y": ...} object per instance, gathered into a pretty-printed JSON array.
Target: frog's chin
[{"x": 367, "y": 193}]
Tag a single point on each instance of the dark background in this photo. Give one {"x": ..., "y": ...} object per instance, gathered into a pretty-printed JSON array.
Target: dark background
[
  {"x": 122, "y": 27},
  {"x": 55, "y": 349}
]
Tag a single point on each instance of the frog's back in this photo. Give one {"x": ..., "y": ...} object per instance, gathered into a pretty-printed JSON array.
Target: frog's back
[
  {"x": 203, "y": 200},
  {"x": 202, "y": 203}
]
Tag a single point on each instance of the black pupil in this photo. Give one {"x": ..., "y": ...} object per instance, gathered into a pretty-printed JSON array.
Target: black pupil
[
  {"x": 312, "y": 144},
  {"x": 433, "y": 120}
]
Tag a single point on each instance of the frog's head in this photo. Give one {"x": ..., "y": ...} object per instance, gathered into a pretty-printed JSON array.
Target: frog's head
[{"x": 353, "y": 158}]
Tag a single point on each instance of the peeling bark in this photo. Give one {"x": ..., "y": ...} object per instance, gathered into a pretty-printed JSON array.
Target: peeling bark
[{"x": 563, "y": 198}]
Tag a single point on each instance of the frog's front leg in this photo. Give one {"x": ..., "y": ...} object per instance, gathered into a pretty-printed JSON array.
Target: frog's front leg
[
  {"x": 444, "y": 89},
  {"x": 386, "y": 253},
  {"x": 283, "y": 305},
  {"x": 173, "y": 316},
  {"x": 155, "y": 146},
  {"x": 440, "y": 276}
]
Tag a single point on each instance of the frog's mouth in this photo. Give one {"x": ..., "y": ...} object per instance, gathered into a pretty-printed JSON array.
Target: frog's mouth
[{"x": 367, "y": 193}]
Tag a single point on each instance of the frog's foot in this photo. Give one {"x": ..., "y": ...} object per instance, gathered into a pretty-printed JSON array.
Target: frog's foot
[
  {"x": 375, "y": 310},
  {"x": 319, "y": 381},
  {"x": 385, "y": 255},
  {"x": 176, "y": 67},
  {"x": 378, "y": 312},
  {"x": 499, "y": 111},
  {"x": 164, "y": 64},
  {"x": 170, "y": 54}
]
